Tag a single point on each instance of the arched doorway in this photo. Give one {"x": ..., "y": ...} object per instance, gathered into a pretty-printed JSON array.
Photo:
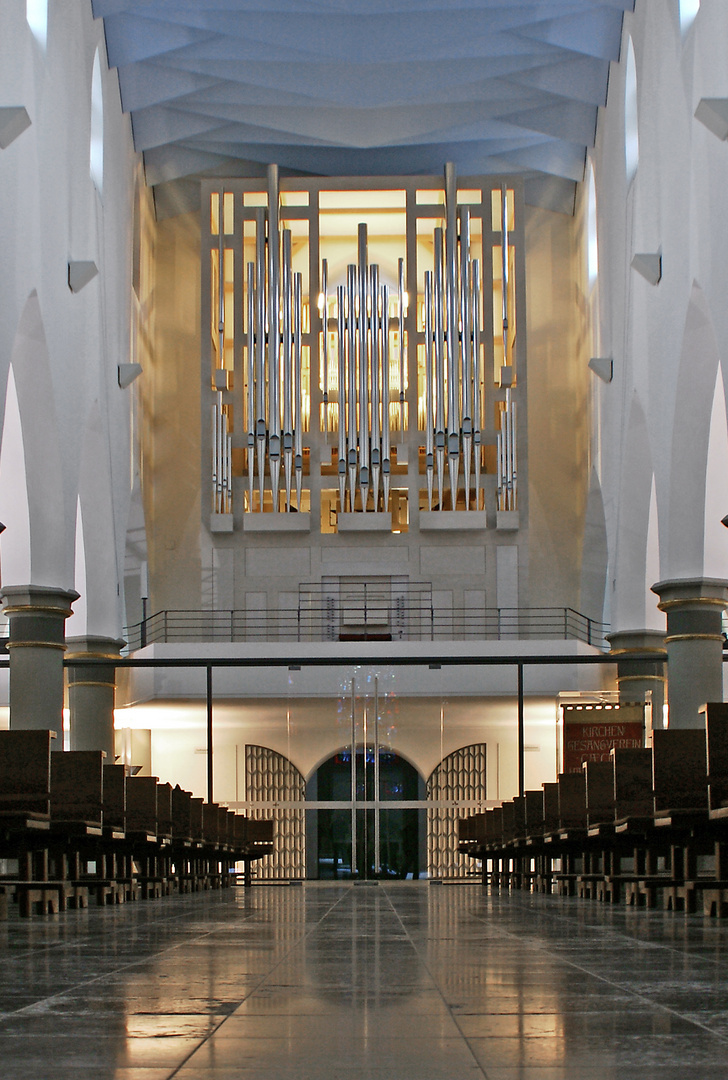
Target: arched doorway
[{"x": 360, "y": 837}]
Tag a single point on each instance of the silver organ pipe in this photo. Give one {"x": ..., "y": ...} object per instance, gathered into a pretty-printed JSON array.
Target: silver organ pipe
[
  {"x": 429, "y": 413},
  {"x": 453, "y": 358},
  {"x": 376, "y": 451},
  {"x": 386, "y": 463},
  {"x": 221, "y": 279},
  {"x": 439, "y": 366},
  {"x": 298, "y": 388},
  {"x": 260, "y": 417},
  {"x": 506, "y": 438},
  {"x": 454, "y": 367},
  {"x": 475, "y": 275},
  {"x": 504, "y": 257},
  {"x": 274, "y": 336},
  {"x": 221, "y": 459},
  {"x": 341, "y": 349},
  {"x": 273, "y": 350},
  {"x": 221, "y": 439},
  {"x": 287, "y": 300},
  {"x": 466, "y": 343},
  {"x": 400, "y": 285},
  {"x": 325, "y": 327},
  {"x": 250, "y": 379},
  {"x": 351, "y": 383},
  {"x": 363, "y": 368}
]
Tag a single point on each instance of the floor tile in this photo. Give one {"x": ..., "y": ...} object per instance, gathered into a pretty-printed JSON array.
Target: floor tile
[{"x": 334, "y": 982}]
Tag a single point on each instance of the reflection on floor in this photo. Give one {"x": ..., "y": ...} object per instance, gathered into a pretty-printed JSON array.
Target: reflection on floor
[{"x": 411, "y": 981}]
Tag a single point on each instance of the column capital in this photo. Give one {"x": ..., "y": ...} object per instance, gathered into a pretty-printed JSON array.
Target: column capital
[
  {"x": 38, "y": 600},
  {"x": 37, "y": 620},
  {"x": 637, "y": 641},
  {"x": 700, "y": 592},
  {"x": 94, "y": 646}
]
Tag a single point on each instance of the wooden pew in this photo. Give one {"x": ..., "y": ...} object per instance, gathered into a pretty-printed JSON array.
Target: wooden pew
[
  {"x": 258, "y": 843},
  {"x": 569, "y": 836},
  {"x": 119, "y": 863},
  {"x": 631, "y": 817},
  {"x": 182, "y": 843},
  {"x": 712, "y": 884},
  {"x": 25, "y": 792},
  {"x": 77, "y": 809},
  {"x": 141, "y": 834},
  {"x": 599, "y": 792}
]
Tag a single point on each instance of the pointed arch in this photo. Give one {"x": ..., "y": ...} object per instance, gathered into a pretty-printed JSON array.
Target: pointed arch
[
  {"x": 654, "y": 618},
  {"x": 628, "y": 611},
  {"x": 96, "y": 139},
  {"x": 98, "y": 532},
  {"x": 51, "y": 548},
  {"x": 77, "y": 624},
  {"x": 595, "y": 553},
  {"x": 715, "y": 539},
  {"x": 14, "y": 508},
  {"x": 695, "y": 394}
]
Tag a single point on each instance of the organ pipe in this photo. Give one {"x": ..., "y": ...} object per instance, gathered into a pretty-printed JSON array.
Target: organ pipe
[
  {"x": 341, "y": 349},
  {"x": 325, "y": 325},
  {"x": 260, "y": 417},
  {"x": 287, "y": 367},
  {"x": 250, "y": 378},
  {"x": 439, "y": 366},
  {"x": 298, "y": 389},
  {"x": 400, "y": 285},
  {"x": 274, "y": 337},
  {"x": 221, "y": 440},
  {"x": 351, "y": 386},
  {"x": 375, "y": 373},
  {"x": 386, "y": 464},
  {"x": 363, "y": 369},
  {"x": 466, "y": 341},
  {"x": 475, "y": 277},
  {"x": 429, "y": 416},
  {"x": 221, "y": 279}
]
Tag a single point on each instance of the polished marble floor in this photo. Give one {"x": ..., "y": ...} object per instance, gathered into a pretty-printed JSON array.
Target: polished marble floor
[{"x": 410, "y": 981}]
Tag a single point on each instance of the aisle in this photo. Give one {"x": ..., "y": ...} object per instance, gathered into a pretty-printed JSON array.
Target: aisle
[{"x": 406, "y": 981}]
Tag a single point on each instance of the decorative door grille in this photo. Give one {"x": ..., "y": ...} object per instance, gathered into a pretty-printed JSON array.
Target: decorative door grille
[
  {"x": 271, "y": 777},
  {"x": 460, "y": 776}
]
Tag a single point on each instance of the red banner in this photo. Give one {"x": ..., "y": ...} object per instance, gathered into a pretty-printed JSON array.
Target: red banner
[{"x": 591, "y": 731}]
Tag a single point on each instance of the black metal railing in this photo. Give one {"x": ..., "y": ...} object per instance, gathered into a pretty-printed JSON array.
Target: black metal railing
[{"x": 405, "y": 619}]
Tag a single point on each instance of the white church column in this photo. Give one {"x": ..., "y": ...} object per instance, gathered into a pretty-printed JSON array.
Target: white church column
[
  {"x": 694, "y": 609},
  {"x": 36, "y": 616},
  {"x": 637, "y": 678},
  {"x": 91, "y": 693}
]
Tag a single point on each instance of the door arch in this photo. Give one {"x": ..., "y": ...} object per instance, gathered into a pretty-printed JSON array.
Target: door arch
[{"x": 359, "y": 837}]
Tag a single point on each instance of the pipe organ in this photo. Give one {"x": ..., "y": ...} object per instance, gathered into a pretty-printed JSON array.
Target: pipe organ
[{"x": 399, "y": 356}]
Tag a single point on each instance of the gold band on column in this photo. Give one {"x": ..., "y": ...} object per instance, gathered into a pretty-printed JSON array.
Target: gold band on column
[
  {"x": 694, "y": 637},
  {"x": 35, "y": 644}
]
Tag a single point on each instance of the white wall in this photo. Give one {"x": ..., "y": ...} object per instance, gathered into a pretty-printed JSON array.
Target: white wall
[
  {"x": 64, "y": 347},
  {"x": 667, "y": 340}
]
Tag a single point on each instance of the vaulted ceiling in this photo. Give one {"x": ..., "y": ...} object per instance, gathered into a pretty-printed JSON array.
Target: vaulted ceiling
[{"x": 357, "y": 87}]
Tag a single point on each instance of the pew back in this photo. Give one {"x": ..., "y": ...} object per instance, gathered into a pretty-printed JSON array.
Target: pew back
[
  {"x": 25, "y": 772},
  {"x": 572, "y": 800},
  {"x": 679, "y": 776},
  {"x": 715, "y": 716},
  {"x": 141, "y": 804},
  {"x": 77, "y": 786},
  {"x": 599, "y": 783},
  {"x": 632, "y": 782},
  {"x": 115, "y": 796}
]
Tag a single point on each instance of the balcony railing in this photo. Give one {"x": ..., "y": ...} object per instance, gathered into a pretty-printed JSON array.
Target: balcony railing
[{"x": 367, "y": 621}]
